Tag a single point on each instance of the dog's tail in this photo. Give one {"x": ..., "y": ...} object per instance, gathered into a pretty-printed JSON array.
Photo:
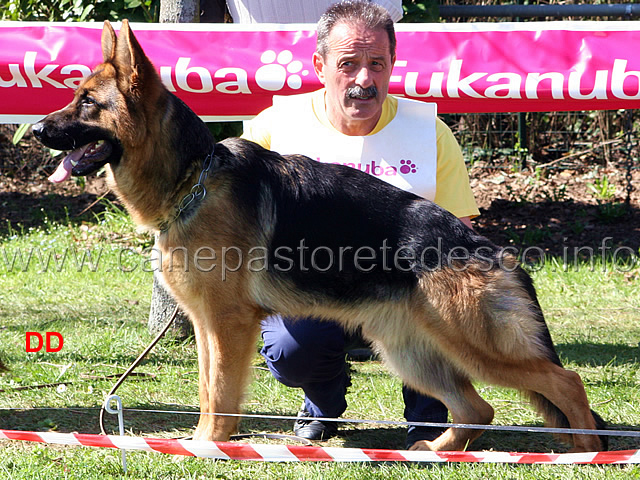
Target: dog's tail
[{"x": 553, "y": 416}]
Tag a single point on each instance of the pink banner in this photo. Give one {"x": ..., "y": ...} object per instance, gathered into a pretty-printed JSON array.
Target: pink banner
[{"x": 232, "y": 71}]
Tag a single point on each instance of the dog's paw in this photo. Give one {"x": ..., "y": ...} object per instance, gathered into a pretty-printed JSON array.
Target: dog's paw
[{"x": 422, "y": 445}]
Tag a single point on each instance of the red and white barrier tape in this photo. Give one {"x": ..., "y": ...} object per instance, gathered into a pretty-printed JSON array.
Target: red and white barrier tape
[{"x": 295, "y": 453}]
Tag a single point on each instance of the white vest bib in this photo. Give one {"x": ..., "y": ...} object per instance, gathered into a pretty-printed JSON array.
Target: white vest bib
[{"x": 403, "y": 153}]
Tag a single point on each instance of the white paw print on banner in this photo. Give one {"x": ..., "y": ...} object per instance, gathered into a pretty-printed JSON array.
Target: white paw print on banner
[{"x": 272, "y": 76}]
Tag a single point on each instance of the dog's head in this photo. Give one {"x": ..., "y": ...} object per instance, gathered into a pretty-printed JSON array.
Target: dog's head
[{"x": 107, "y": 116}]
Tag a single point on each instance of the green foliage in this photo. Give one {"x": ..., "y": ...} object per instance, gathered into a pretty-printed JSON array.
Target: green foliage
[
  {"x": 222, "y": 130},
  {"x": 530, "y": 236},
  {"x": 80, "y": 10},
  {"x": 610, "y": 212},
  {"x": 605, "y": 191},
  {"x": 602, "y": 189},
  {"x": 20, "y": 132},
  {"x": 420, "y": 11}
]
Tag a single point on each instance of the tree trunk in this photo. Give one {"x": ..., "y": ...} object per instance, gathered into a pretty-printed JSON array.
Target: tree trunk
[
  {"x": 179, "y": 11},
  {"x": 162, "y": 306}
]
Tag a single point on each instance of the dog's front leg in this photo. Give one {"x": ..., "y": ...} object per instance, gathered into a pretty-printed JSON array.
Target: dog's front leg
[{"x": 225, "y": 349}]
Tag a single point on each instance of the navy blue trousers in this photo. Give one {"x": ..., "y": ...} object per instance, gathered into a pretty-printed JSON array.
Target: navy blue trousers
[{"x": 310, "y": 354}]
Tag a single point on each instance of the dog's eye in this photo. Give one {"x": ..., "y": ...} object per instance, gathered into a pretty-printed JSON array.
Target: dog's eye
[{"x": 88, "y": 101}]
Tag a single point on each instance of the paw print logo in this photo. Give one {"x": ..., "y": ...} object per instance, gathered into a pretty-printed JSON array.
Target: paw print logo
[
  {"x": 278, "y": 69},
  {"x": 407, "y": 166}
]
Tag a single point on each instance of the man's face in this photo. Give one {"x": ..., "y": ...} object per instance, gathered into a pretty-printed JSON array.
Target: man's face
[{"x": 355, "y": 73}]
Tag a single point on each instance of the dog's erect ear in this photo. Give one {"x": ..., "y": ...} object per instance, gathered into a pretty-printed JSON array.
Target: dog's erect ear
[
  {"x": 108, "y": 42},
  {"x": 130, "y": 61}
]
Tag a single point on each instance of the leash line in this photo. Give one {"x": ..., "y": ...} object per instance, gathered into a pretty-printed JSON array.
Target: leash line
[
  {"x": 136, "y": 362},
  {"x": 515, "y": 428}
]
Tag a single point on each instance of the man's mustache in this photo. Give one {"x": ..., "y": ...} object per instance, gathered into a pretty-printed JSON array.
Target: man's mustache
[{"x": 359, "y": 92}]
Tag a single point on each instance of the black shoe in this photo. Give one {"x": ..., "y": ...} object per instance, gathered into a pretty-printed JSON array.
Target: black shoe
[
  {"x": 314, "y": 429},
  {"x": 415, "y": 434}
]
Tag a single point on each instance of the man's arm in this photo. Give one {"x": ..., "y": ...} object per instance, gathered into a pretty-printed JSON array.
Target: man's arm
[
  {"x": 466, "y": 221},
  {"x": 257, "y": 129},
  {"x": 453, "y": 191}
]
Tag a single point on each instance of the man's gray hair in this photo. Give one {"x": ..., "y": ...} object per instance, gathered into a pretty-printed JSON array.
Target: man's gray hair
[{"x": 356, "y": 12}]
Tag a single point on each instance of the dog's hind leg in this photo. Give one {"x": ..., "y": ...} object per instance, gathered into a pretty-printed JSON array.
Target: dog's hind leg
[
  {"x": 226, "y": 345},
  {"x": 427, "y": 371},
  {"x": 559, "y": 395}
]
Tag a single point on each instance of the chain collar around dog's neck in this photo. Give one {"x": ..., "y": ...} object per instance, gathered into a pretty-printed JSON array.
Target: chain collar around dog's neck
[{"x": 197, "y": 193}]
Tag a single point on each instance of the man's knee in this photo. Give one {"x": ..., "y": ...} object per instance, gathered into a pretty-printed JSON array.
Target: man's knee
[{"x": 303, "y": 351}]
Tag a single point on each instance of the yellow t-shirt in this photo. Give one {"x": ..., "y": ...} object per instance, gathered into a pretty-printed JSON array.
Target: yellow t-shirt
[{"x": 453, "y": 192}]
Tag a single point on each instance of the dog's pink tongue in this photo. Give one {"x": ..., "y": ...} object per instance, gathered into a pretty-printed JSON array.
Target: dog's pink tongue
[{"x": 63, "y": 172}]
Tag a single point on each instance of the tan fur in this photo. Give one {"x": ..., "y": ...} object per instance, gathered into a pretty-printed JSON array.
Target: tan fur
[{"x": 457, "y": 325}]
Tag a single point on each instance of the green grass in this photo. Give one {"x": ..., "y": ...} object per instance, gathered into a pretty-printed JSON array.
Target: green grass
[{"x": 101, "y": 310}]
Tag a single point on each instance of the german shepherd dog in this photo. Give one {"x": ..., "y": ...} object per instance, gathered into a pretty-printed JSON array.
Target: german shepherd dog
[{"x": 442, "y": 304}]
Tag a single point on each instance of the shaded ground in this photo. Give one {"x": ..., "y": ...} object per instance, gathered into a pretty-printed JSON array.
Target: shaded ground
[{"x": 555, "y": 211}]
